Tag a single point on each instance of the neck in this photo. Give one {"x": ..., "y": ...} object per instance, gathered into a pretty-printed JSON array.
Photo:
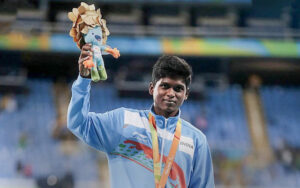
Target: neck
[{"x": 166, "y": 114}]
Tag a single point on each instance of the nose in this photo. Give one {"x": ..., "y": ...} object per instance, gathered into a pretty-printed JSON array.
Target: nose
[
  {"x": 170, "y": 93},
  {"x": 98, "y": 37}
]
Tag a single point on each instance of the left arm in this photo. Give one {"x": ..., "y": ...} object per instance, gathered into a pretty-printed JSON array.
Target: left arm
[
  {"x": 105, "y": 49},
  {"x": 202, "y": 175}
]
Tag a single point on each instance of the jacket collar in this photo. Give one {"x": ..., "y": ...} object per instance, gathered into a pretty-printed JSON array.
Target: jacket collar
[{"x": 161, "y": 120}]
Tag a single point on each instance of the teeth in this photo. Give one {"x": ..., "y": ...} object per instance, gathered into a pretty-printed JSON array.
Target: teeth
[{"x": 170, "y": 101}]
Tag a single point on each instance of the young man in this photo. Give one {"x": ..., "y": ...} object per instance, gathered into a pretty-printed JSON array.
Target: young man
[{"x": 146, "y": 148}]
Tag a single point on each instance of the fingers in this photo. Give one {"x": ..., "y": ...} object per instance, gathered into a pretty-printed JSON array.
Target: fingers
[
  {"x": 86, "y": 50},
  {"x": 117, "y": 53},
  {"x": 116, "y": 56},
  {"x": 87, "y": 47},
  {"x": 84, "y": 59},
  {"x": 83, "y": 69},
  {"x": 86, "y": 53}
]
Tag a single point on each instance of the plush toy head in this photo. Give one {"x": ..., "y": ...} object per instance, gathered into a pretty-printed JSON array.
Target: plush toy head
[
  {"x": 84, "y": 19},
  {"x": 94, "y": 36}
]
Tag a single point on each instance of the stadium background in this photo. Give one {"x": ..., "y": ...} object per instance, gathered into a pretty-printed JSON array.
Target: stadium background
[{"x": 245, "y": 93}]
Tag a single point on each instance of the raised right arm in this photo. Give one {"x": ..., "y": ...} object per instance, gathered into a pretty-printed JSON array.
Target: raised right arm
[{"x": 99, "y": 130}]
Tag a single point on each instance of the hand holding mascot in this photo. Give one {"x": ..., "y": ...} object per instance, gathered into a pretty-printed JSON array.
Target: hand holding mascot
[{"x": 89, "y": 27}]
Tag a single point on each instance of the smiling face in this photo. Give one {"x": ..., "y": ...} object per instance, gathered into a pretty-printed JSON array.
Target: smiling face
[{"x": 168, "y": 95}]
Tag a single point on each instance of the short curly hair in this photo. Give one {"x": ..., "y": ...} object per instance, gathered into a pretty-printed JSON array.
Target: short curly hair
[{"x": 173, "y": 67}]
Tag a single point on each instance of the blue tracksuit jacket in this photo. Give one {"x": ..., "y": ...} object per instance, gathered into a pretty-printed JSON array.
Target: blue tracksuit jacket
[{"x": 124, "y": 135}]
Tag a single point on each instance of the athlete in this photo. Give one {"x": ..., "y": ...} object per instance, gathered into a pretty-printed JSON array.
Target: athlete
[{"x": 152, "y": 148}]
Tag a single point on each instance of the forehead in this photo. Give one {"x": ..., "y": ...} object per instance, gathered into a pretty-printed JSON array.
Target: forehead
[{"x": 172, "y": 81}]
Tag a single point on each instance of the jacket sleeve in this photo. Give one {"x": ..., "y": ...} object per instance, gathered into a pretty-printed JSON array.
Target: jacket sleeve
[
  {"x": 203, "y": 175},
  {"x": 101, "y": 131}
]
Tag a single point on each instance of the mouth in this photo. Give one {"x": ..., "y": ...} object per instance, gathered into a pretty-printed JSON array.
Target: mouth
[{"x": 169, "y": 102}]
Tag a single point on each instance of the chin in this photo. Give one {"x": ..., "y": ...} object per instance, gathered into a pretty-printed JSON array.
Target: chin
[{"x": 171, "y": 110}]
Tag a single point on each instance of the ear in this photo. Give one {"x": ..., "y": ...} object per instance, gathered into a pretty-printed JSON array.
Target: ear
[
  {"x": 187, "y": 93},
  {"x": 151, "y": 88}
]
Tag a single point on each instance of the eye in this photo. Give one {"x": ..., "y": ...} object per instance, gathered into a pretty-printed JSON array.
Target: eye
[
  {"x": 164, "y": 86},
  {"x": 178, "y": 88},
  {"x": 92, "y": 33}
]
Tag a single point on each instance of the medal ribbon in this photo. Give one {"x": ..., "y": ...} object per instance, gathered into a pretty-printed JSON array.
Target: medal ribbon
[{"x": 161, "y": 180}]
